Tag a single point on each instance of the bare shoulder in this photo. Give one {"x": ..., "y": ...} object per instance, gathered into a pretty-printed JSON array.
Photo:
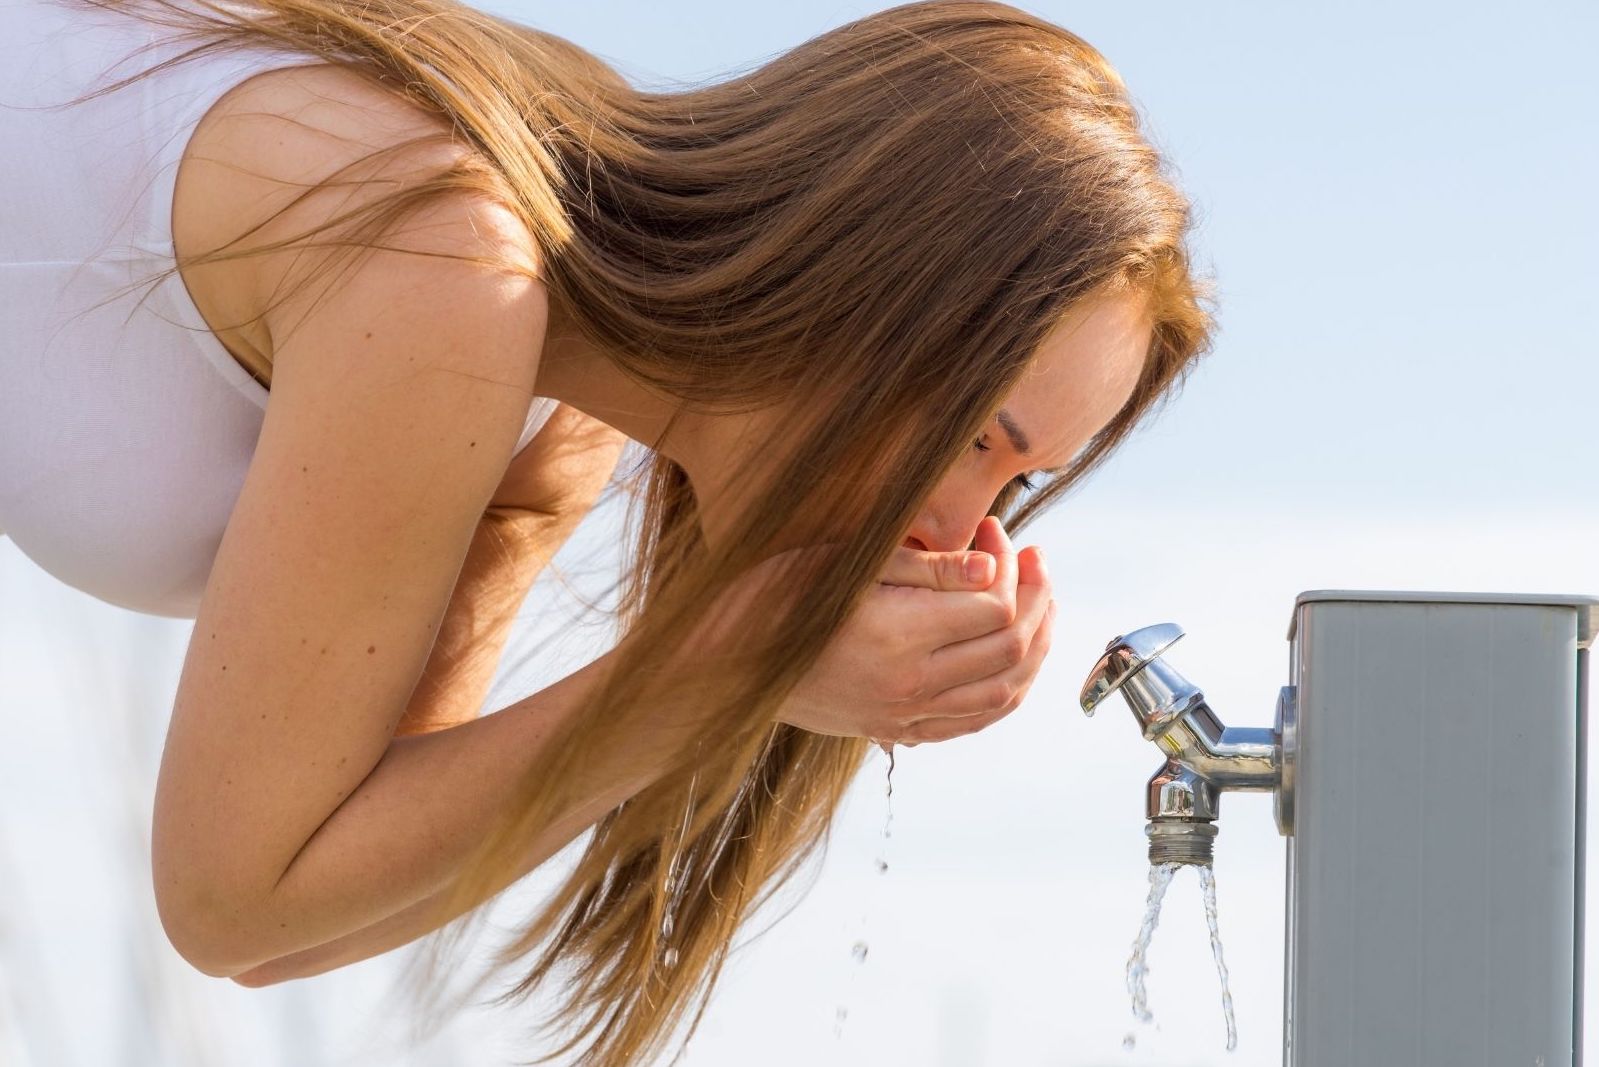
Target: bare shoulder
[{"x": 248, "y": 170}]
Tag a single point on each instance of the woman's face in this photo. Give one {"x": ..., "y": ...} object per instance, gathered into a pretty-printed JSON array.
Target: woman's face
[{"x": 1081, "y": 377}]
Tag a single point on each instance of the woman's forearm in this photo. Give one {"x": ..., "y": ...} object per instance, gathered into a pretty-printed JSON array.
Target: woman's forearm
[
  {"x": 414, "y": 819},
  {"x": 508, "y": 551},
  {"x": 404, "y": 926}
]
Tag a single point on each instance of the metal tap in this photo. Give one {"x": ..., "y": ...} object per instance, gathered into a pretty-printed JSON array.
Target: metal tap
[{"x": 1203, "y": 757}]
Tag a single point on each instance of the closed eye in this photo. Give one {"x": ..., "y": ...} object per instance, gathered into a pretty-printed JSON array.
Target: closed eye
[{"x": 1021, "y": 479}]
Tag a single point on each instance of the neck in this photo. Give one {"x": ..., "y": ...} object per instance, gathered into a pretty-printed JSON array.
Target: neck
[{"x": 577, "y": 373}]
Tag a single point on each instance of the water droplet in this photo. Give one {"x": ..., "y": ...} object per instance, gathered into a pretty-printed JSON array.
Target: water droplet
[
  {"x": 882, "y": 865},
  {"x": 670, "y": 957},
  {"x": 1129, "y": 1042},
  {"x": 859, "y": 951}
]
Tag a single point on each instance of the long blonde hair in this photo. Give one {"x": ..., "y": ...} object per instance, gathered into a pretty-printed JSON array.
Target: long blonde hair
[{"x": 877, "y": 228}]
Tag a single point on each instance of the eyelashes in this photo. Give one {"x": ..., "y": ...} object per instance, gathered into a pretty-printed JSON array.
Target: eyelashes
[{"x": 1021, "y": 479}]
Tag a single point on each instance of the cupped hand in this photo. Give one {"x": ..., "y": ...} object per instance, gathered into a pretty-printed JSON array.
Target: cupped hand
[{"x": 930, "y": 654}]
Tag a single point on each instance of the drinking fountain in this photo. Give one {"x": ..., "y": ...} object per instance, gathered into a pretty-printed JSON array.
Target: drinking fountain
[{"x": 1427, "y": 762}]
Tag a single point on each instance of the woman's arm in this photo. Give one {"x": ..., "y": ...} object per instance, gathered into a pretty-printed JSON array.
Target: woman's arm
[
  {"x": 286, "y": 813},
  {"x": 563, "y": 470},
  {"x": 406, "y": 925},
  {"x": 415, "y": 920},
  {"x": 546, "y": 491},
  {"x": 508, "y": 551}
]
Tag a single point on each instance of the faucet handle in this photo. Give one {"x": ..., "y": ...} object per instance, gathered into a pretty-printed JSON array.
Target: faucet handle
[{"x": 1124, "y": 657}]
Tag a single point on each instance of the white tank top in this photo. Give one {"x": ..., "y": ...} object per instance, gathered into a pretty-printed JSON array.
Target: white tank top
[{"x": 125, "y": 431}]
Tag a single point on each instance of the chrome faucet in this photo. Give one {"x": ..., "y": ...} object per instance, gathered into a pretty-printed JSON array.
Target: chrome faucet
[{"x": 1203, "y": 757}]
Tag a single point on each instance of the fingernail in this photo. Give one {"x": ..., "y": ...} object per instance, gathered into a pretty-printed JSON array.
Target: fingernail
[
  {"x": 1043, "y": 568},
  {"x": 977, "y": 564}
]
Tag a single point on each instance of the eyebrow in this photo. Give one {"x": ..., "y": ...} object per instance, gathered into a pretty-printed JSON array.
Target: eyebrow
[{"x": 1018, "y": 439}]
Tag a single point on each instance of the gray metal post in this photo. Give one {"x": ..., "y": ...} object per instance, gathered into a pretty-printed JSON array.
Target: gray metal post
[{"x": 1435, "y": 866}]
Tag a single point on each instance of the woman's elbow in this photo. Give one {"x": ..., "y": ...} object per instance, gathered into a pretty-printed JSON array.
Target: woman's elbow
[
  {"x": 211, "y": 945},
  {"x": 259, "y": 977}
]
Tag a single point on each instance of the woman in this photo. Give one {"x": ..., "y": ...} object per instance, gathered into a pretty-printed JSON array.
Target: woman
[{"x": 917, "y": 275}]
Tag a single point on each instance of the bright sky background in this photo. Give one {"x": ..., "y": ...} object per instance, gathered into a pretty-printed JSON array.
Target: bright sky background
[{"x": 1397, "y": 203}]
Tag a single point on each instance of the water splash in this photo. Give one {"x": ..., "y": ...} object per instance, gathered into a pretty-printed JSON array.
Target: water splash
[
  {"x": 1207, "y": 881},
  {"x": 1160, "y": 876}
]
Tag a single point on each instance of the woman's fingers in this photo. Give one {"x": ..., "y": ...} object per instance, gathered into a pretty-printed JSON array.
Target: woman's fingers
[
  {"x": 928, "y": 618},
  {"x": 943, "y": 728},
  {"x": 992, "y": 538},
  {"x": 978, "y": 696},
  {"x": 917, "y": 657},
  {"x": 951, "y": 572},
  {"x": 999, "y": 650}
]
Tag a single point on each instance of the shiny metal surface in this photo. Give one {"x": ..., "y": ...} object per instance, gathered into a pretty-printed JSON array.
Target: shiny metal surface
[
  {"x": 1287, "y": 754},
  {"x": 1125, "y": 656},
  {"x": 1202, "y": 756},
  {"x": 1178, "y": 792}
]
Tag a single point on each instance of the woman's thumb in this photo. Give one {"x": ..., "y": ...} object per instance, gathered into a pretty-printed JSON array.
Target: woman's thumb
[{"x": 944, "y": 571}]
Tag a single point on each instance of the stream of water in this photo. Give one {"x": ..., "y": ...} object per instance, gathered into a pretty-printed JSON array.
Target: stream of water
[
  {"x": 1207, "y": 881},
  {"x": 1160, "y": 878}
]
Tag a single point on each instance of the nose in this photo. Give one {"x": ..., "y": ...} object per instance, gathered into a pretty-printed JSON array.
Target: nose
[
  {"x": 947, "y": 524},
  {"x": 939, "y": 543}
]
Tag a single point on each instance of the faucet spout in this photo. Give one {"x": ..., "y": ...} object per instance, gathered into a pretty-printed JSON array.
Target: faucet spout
[
  {"x": 1181, "y": 806},
  {"x": 1203, "y": 757}
]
